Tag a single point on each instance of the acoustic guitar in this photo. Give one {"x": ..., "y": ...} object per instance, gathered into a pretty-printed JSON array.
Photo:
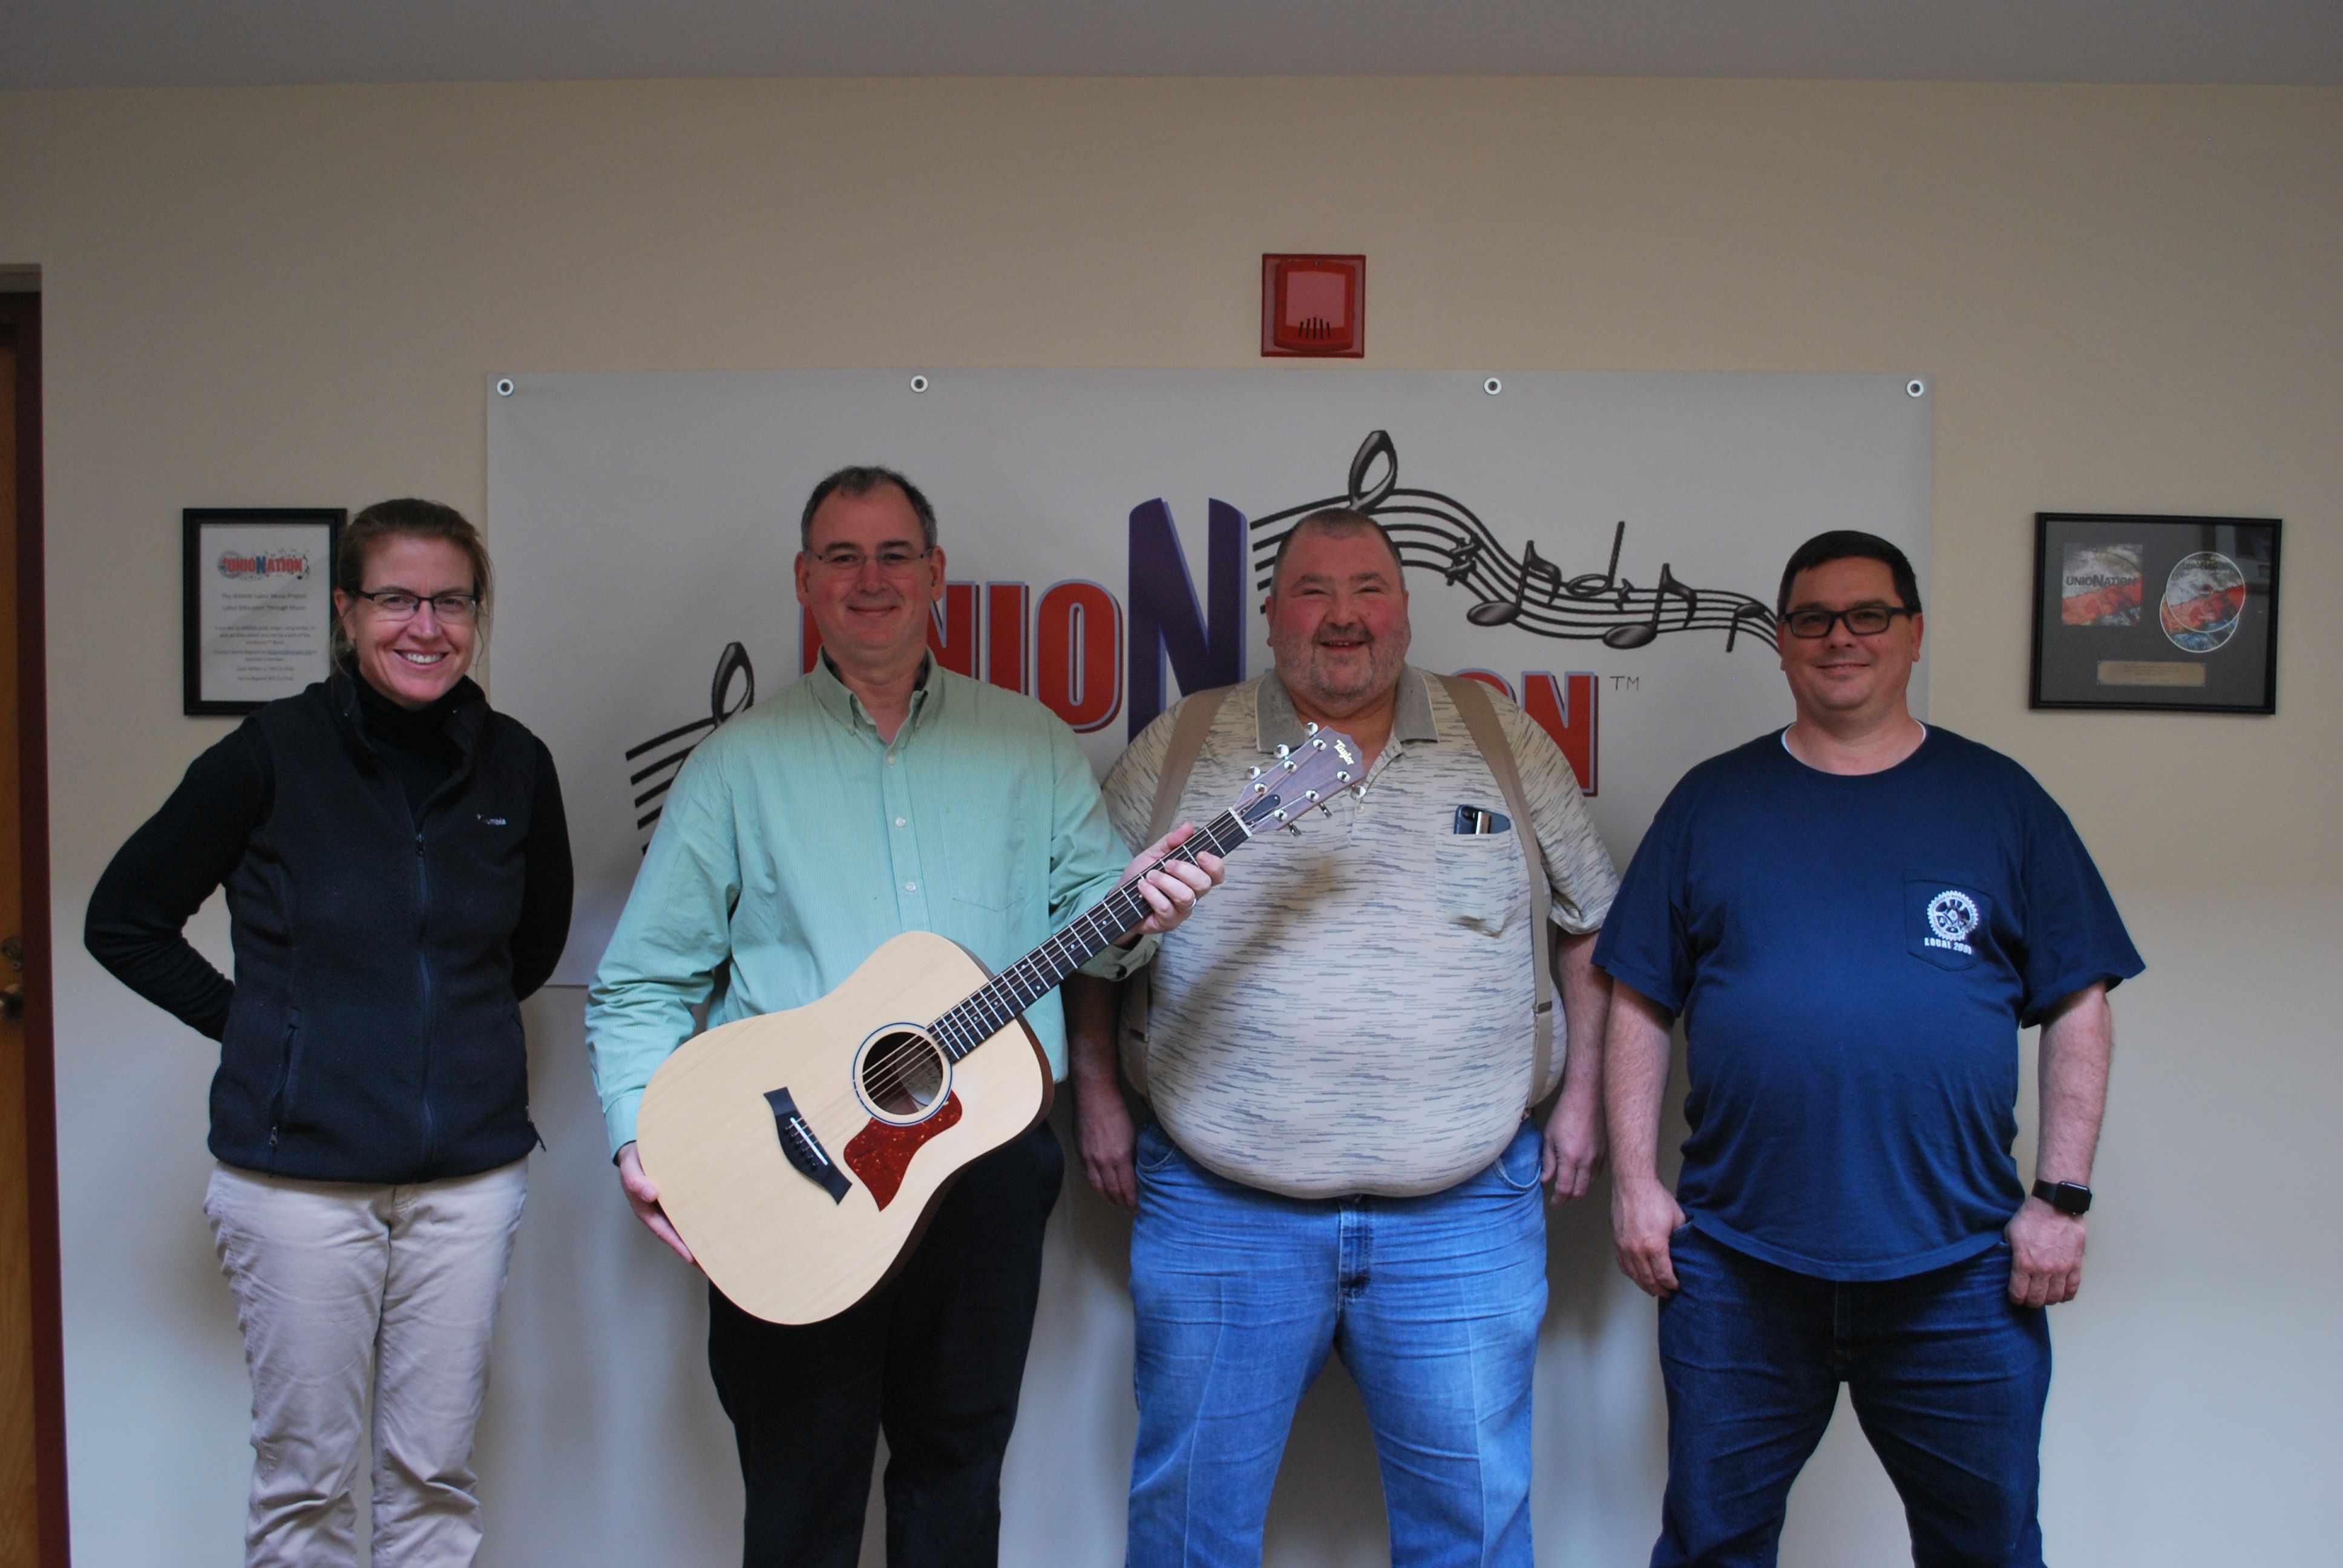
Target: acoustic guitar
[{"x": 800, "y": 1154}]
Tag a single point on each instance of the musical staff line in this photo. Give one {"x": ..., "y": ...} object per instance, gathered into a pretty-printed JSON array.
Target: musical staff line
[
  {"x": 724, "y": 704},
  {"x": 1438, "y": 534}
]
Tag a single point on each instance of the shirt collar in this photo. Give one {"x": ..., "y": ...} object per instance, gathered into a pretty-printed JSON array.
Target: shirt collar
[
  {"x": 840, "y": 703},
  {"x": 1277, "y": 724}
]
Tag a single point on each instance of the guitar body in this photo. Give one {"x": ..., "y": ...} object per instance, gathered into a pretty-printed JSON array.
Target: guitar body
[{"x": 800, "y": 1154}]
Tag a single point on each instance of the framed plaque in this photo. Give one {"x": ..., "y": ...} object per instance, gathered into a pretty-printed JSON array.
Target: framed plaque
[
  {"x": 2176, "y": 614},
  {"x": 259, "y": 604}
]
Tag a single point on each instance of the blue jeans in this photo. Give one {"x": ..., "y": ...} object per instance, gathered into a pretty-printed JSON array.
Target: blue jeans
[
  {"x": 1948, "y": 1375},
  {"x": 1434, "y": 1304}
]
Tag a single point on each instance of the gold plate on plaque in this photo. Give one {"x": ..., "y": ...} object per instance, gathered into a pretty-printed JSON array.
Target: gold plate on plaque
[{"x": 2150, "y": 672}]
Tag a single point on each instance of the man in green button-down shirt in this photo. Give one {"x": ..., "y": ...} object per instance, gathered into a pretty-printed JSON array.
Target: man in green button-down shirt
[{"x": 879, "y": 794}]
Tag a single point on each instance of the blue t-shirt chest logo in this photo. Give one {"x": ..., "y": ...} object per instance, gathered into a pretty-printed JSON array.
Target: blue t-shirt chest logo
[
  {"x": 1952, "y": 916},
  {"x": 1948, "y": 923}
]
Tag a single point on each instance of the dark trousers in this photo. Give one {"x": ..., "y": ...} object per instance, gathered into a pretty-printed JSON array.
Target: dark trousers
[
  {"x": 934, "y": 1358},
  {"x": 1948, "y": 1375}
]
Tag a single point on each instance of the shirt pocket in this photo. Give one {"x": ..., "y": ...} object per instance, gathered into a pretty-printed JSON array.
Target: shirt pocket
[
  {"x": 985, "y": 853},
  {"x": 1948, "y": 919},
  {"x": 1480, "y": 881}
]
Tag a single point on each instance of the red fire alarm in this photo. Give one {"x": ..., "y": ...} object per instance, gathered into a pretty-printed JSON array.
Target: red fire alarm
[{"x": 1313, "y": 306}]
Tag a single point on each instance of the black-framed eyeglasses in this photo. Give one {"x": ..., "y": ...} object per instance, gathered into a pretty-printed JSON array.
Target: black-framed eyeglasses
[
  {"x": 398, "y": 604},
  {"x": 1863, "y": 620}
]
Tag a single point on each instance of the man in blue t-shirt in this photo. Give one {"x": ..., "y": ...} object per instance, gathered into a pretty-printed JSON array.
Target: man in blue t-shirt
[{"x": 1854, "y": 917}]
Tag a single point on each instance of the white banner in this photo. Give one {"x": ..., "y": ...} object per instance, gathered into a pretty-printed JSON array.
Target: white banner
[{"x": 1603, "y": 546}]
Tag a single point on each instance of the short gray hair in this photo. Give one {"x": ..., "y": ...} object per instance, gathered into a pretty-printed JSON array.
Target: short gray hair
[
  {"x": 1338, "y": 521},
  {"x": 858, "y": 482}
]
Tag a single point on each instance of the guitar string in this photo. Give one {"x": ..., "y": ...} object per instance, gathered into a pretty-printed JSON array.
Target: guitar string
[
  {"x": 954, "y": 1033},
  {"x": 983, "y": 1014},
  {"x": 951, "y": 1031},
  {"x": 1026, "y": 981},
  {"x": 986, "y": 1012},
  {"x": 992, "y": 1006}
]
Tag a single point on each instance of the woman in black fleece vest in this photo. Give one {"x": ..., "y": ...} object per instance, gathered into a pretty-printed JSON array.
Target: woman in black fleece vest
[{"x": 397, "y": 874}]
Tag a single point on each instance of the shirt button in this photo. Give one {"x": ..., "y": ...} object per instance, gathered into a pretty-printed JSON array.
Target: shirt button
[
  {"x": 910, "y": 887},
  {"x": 898, "y": 821},
  {"x": 891, "y": 760}
]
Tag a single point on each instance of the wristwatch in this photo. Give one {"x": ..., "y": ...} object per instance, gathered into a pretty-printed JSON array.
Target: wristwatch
[{"x": 2066, "y": 1197}]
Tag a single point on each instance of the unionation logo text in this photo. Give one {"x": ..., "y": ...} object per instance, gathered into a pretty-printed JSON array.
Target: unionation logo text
[{"x": 255, "y": 566}]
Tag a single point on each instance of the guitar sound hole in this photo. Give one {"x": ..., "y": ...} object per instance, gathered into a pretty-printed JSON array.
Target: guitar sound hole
[{"x": 903, "y": 1073}]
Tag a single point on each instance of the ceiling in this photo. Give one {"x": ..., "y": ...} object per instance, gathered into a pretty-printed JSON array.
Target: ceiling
[{"x": 127, "y": 43}]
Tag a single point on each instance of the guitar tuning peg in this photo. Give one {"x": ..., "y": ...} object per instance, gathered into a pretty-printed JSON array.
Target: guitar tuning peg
[
  {"x": 1311, "y": 796},
  {"x": 1294, "y": 828},
  {"x": 1279, "y": 815},
  {"x": 1325, "y": 810},
  {"x": 1309, "y": 729},
  {"x": 1253, "y": 772},
  {"x": 1283, "y": 751}
]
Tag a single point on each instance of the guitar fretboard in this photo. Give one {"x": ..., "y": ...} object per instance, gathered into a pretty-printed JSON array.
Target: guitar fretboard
[{"x": 989, "y": 1010}]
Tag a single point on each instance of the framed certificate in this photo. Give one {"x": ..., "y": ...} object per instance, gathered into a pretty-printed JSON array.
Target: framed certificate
[
  {"x": 2178, "y": 614},
  {"x": 259, "y": 605}
]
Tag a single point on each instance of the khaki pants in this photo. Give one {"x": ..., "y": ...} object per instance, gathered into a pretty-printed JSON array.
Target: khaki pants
[{"x": 345, "y": 1290}]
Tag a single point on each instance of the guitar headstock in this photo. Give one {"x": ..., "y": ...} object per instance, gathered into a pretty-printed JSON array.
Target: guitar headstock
[{"x": 1304, "y": 779}]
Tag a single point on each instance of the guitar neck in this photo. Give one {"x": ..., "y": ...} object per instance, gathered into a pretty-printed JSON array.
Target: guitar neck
[{"x": 987, "y": 1011}]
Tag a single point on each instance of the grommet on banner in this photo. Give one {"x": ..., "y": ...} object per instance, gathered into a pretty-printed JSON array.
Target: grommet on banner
[
  {"x": 918, "y": 383},
  {"x": 504, "y": 388},
  {"x": 1914, "y": 388},
  {"x": 1493, "y": 387}
]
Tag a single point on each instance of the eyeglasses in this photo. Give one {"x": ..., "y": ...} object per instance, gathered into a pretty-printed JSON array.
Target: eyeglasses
[
  {"x": 1863, "y": 620},
  {"x": 846, "y": 560},
  {"x": 398, "y": 604}
]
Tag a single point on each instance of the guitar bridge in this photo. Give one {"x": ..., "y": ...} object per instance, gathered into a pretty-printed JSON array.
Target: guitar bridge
[{"x": 804, "y": 1150}]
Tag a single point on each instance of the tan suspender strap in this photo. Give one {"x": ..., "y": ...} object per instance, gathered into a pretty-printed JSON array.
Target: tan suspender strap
[
  {"x": 1480, "y": 716},
  {"x": 1188, "y": 733}
]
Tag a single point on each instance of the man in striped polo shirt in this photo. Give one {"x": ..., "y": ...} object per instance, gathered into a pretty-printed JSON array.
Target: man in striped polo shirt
[{"x": 1338, "y": 1066}]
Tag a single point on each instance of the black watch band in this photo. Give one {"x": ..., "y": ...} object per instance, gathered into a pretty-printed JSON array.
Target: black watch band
[{"x": 2066, "y": 1197}]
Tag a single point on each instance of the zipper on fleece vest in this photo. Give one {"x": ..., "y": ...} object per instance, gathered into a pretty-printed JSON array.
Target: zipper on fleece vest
[
  {"x": 423, "y": 963},
  {"x": 278, "y": 1107}
]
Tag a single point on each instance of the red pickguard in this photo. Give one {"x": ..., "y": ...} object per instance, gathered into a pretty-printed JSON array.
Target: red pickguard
[{"x": 882, "y": 1151}]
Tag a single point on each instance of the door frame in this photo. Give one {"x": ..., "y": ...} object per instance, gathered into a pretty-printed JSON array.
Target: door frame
[{"x": 20, "y": 324}]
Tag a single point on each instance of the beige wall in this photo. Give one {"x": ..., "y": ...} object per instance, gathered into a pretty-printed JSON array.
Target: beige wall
[{"x": 2129, "y": 299}]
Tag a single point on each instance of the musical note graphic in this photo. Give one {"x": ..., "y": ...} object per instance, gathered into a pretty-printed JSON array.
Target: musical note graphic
[
  {"x": 1592, "y": 585},
  {"x": 1498, "y": 611},
  {"x": 1437, "y": 533},
  {"x": 1637, "y": 636},
  {"x": 1532, "y": 566},
  {"x": 1461, "y": 562},
  {"x": 724, "y": 704}
]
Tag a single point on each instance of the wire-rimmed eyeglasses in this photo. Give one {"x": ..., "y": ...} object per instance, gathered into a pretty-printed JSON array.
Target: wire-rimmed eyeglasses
[{"x": 399, "y": 604}]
